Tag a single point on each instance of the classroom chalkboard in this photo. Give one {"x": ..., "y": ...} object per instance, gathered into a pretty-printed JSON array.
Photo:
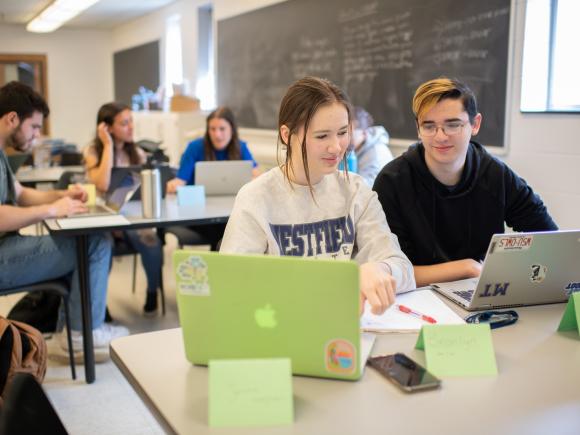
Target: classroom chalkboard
[{"x": 378, "y": 51}]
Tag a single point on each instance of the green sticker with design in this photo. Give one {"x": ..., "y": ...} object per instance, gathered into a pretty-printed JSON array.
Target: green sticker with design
[{"x": 192, "y": 278}]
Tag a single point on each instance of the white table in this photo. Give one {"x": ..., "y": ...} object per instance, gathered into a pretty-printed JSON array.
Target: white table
[
  {"x": 216, "y": 209},
  {"x": 537, "y": 390}
]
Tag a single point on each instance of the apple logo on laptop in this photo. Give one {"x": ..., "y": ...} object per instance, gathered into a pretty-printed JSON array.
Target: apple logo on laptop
[{"x": 265, "y": 317}]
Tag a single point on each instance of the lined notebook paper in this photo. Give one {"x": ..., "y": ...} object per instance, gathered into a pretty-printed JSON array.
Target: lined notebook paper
[{"x": 422, "y": 301}]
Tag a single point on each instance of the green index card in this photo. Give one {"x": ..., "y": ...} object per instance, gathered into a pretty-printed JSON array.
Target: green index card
[
  {"x": 250, "y": 392},
  {"x": 571, "y": 318},
  {"x": 458, "y": 350}
]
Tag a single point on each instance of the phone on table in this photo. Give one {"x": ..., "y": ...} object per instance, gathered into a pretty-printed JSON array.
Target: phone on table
[{"x": 404, "y": 372}]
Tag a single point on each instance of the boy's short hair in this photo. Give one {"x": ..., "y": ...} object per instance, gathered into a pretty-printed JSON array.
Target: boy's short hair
[
  {"x": 433, "y": 91},
  {"x": 22, "y": 99}
]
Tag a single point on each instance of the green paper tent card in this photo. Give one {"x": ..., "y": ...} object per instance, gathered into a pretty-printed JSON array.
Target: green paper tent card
[
  {"x": 571, "y": 318},
  {"x": 250, "y": 392},
  {"x": 458, "y": 350}
]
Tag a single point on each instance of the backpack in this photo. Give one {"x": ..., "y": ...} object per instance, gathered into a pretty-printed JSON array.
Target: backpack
[
  {"x": 38, "y": 309},
  {"x": 22, "y": 350}
]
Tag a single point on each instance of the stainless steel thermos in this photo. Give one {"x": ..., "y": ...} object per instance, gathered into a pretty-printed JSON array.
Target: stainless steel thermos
[{"x": 151, "y": 193}]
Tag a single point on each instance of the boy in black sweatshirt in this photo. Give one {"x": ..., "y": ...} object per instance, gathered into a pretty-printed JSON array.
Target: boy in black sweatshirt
[{"x": 446, "y": 195}]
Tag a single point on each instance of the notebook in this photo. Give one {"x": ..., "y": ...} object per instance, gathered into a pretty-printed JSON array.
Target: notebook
[
  {"x": 423, "y": 301},
  {"x": 250, "y": 306},
  {"x": 223, "y": 177},
  {"x": 521, "y": 269}
]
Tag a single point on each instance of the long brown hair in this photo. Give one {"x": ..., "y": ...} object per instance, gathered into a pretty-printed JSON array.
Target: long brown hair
[
  {"x": 303, "y": 98},
  {"x": 233, "y": 148},
  {"x": 107, "y": 114}
]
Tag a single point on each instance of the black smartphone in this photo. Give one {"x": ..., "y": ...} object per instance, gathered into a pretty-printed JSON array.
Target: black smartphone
[{"x": 404, "y": 372}]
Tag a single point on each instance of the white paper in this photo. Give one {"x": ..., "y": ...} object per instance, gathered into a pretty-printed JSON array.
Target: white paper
[
  {"x": 367, "y": 340},
  {"x": 92, "y": 222},
  {"x": 422, "y": 301}
]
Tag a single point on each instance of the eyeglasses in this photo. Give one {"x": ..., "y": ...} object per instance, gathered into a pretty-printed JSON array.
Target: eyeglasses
[
  {"x": 495, "y": 319},
  {"x": 449, "y": 128}
]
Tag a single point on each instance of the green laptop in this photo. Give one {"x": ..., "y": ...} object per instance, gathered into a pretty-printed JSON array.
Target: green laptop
[{"x": 250, "y": 306}]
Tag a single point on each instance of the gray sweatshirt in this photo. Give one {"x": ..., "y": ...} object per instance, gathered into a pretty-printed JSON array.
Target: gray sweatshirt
[{"x": 346, "y": 221}]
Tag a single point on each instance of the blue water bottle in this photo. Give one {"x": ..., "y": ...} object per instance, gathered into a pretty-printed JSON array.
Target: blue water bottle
[{"x": 351, "y": 161}]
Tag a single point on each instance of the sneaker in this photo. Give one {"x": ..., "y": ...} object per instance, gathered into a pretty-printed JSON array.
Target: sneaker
[
  {"x": 150, "y": 308},
  {"x": 102, "y": 336}
]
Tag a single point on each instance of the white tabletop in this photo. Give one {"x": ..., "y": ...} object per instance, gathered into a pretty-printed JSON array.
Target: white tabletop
[
  {"x": 215, "y": 209},
  {"x": 537, "y": 390}
]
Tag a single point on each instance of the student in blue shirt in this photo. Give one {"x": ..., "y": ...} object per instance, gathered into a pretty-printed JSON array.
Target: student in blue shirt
[{"x": 220, "y": 142}]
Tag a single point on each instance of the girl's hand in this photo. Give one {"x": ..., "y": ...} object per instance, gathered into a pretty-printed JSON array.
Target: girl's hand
[
  {"x": 376, "y": 286},
  {"x": 104, "y": 135}
]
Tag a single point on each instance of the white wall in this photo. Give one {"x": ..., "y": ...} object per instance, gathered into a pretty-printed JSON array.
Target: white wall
[
  {"x": 80, "y": 75},
  {"x": 152, "y": 27},
  {"x": 544, "y": 148}
]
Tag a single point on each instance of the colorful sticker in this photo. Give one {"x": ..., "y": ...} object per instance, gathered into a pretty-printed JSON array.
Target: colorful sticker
[
  {"x": 513, "y": 243},
  {"x": 192, "y": 277},
  {"x": 572, "y": 287},
  {"x": 340, "y": 357},
  {"x": 538, "y": 272}
]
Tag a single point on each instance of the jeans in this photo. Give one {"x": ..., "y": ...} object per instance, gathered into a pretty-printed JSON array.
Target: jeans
[
  {"x": 148, "y": 245},
  {"x": 30, "y": 259}
]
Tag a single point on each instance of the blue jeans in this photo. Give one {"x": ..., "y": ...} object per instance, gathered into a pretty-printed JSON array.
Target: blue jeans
[
  {"x": 148, "y": 245},
  {"x": 30, "y": 259}
]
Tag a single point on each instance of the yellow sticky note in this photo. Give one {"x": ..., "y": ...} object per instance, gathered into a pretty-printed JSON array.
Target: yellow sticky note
[{"x": 91, "y": 193}]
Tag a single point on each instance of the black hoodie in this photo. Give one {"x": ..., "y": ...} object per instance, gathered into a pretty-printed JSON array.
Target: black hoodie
[{"x": 436, "y": 223}]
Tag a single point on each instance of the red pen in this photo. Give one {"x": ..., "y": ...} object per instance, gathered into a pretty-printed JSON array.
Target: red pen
[{"x": 407, "y": 310}]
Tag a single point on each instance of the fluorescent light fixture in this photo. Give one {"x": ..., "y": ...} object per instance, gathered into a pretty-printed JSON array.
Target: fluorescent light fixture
[{"x": 58, "y": 13}]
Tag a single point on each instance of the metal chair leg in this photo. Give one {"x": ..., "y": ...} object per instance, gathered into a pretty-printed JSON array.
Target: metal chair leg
[
  {"x": 134, "y": 271},
  {"x": 162, "y": 291},
  {"x": 65, "y": 300}
]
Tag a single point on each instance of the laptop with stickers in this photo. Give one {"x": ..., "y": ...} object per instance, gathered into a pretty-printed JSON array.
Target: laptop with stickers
[
  {"x": 250, "y": 306},
  {"x": 521, "y": 269}
]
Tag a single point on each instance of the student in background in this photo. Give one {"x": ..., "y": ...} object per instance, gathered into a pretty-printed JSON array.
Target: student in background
[
  {"x": 113, "y": 146},
  {"x": 220, "y": 142},
  {"x": 305, "y": 207},
  {"x": 30, "y": 259},
  {"x": 370, "y": 145},
  {"x": 446, "y": 196}
]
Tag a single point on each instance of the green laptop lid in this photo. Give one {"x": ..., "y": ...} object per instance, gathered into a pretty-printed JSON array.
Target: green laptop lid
[{"x": 249, "y": 306}]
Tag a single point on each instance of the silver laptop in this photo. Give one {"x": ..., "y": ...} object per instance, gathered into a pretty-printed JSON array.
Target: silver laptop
[
  {"x": 116, "y": 198},
  {"x": 521, "y": 269},
  {"x": 223, "y": 177}
]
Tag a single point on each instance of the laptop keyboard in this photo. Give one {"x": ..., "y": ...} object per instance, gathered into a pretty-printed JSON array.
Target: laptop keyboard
[{"x": 465, "y": 294}]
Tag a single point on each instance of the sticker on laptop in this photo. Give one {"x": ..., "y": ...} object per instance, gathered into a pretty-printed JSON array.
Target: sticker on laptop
[
  {"x": 192, "y": 278},
  {"x": 572, "y": 287},
  {"x": 340, "y": 357},
  {"x": 513, "y": 243},
  {"x": 538, "y": 272}
]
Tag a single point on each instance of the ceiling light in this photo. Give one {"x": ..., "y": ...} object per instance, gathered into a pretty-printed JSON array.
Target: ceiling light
[{"x": 58, "y": 13}]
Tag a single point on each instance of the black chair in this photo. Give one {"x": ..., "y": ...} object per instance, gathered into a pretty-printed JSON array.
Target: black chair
[
  {"x": 27, "y": 410},
  {"x": 71, "y": 159},
  {"x": 60, "y": 287},
  {"x": 68, "y": 177}
]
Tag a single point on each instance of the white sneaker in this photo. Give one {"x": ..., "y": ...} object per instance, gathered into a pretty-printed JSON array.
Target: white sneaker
[{"x": 102, "y": 336}]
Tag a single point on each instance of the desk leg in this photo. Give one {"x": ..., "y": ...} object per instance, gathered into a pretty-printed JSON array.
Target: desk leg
[{"x": 83, "y": 265}]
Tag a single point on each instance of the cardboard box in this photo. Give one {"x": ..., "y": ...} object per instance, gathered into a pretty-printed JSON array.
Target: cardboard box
[{"x": 182, "y": 103}]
